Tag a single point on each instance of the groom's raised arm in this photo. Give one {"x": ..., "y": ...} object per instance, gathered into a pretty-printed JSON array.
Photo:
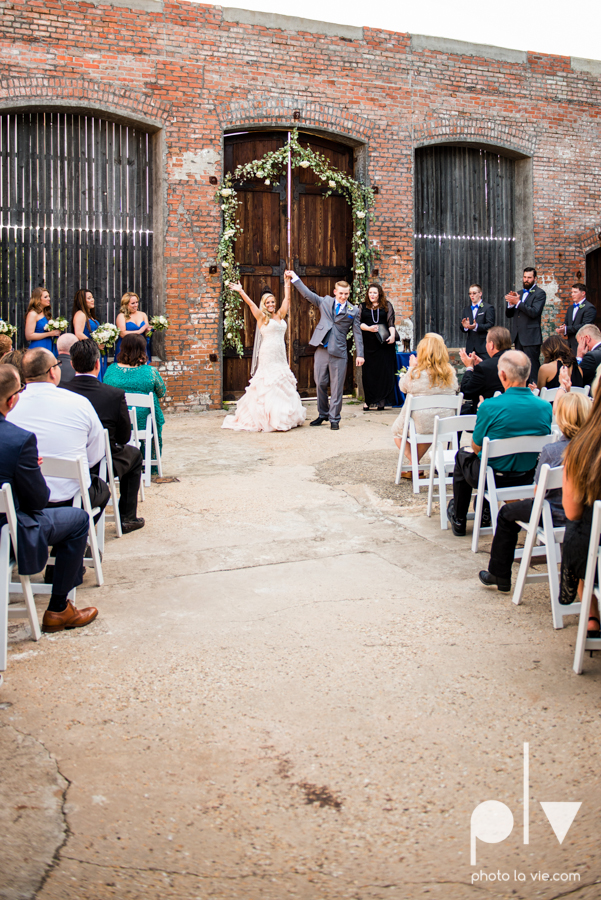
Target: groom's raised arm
[{"x": 304, "y": 291}]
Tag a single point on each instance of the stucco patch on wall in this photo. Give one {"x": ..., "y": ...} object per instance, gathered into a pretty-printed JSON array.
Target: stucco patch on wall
[{"x": 195, "y": 164}]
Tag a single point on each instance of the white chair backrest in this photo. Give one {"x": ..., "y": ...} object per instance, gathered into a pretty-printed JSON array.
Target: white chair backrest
[
  {"x": 497, "y": 393},
  {"x": 581, "y": 390},
  {"x": 453, "y": 424},
  {"x": 435, "y": 401},
  {"x": 142, "y": 400},
  {"x": 528, "y": 443},
  {"x": 7, "y": 507},
  {"x": 548, "y": 394},
  {"x": 74, "y": 469}
]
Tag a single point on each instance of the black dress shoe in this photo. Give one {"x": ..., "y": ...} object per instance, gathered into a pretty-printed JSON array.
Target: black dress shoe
[
  {"x": 132, "y": 525},
  {"x": 335, "y": 426},
  {"x": 492, "y": 580},
  {"x": 319, "y": 420},
  {"x": 458, "y": 525},
  {"x": 486, "y": 521}
]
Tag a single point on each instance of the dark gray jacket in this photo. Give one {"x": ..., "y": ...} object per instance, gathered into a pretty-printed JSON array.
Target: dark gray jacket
[
  {"x": 525, "y": 318},
  {"x": 333, "y": 329}
]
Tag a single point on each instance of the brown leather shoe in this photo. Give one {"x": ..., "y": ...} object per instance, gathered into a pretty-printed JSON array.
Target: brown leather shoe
[{"x": 69, "y": 618}]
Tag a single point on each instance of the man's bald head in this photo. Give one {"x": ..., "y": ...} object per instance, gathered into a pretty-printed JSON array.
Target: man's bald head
[
  {"x": 9, "y": 387},
  {"x": 65, "y": 341},
  {"x": 516, "y": 366},
  {"x": 37, "y": 364}
]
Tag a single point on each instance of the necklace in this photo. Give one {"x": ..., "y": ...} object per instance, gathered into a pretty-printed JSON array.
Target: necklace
[{"x": 373, "y": 318}]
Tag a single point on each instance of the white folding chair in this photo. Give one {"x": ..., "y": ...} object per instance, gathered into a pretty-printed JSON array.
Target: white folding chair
[
  {"x": 150, "y": 434},
  {"x": 58, "y": 467},
  {"x": 8, "y": 560},
  {"x": 593, "y": 567},
  {"x": 415, "y": 404},
  {"x": 134, "y": 441},
  {"x": 442, "y": 458},
  {"x": 107, "y": 474},
  {"x": 581, "y": 390},
  {"x": 548, "y": 394},
  {"x": 550, "y": 537},
  {"x": 487, "y": 487}
]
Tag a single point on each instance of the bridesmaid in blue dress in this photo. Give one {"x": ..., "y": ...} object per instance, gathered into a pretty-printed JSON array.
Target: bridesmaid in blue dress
[
  {"x": 38, "y": 313},
  {"x": 84, "y": 323},
  {"x": 132, "y": 321}
]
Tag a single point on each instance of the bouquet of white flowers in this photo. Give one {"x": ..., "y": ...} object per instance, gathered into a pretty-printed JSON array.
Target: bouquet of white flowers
[
  {"x": 106, "y": 334},
  {"x": 58, "y": 324},
  {"x": 159, "y": 323},
  {"x": 7, "y": 328}
]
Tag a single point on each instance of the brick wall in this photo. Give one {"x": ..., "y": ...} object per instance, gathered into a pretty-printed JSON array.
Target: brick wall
[{"x": 188, "y": 72}]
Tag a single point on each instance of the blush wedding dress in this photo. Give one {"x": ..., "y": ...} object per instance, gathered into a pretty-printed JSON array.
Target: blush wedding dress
[{"x": 271, "y": 401}]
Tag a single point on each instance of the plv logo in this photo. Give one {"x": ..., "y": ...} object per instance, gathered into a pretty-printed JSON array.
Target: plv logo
[{"x": 492, "y": 821}]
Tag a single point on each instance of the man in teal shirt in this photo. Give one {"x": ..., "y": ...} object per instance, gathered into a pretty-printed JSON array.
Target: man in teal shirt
[{"x": 515, "y": 413}]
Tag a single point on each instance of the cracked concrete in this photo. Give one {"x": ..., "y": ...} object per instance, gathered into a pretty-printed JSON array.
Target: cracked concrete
[{"x": 296, "y": 687}]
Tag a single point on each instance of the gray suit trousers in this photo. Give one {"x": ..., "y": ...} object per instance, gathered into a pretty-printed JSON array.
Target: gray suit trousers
[{"x": 329, "y": 370}]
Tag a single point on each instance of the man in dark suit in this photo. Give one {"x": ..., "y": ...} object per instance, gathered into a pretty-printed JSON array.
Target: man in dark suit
[
  {"x": 111, "y": 409},
  {"x": 65, "y": 528},
  {"x": 481, "y": 378},
  {"x": 589, "y": 352},
  {"x": 580, "y": 312},
  {"x": 63, "y": 346},
  {"x": 525, "y": 309},
  {"x": 477, "y": 319}
]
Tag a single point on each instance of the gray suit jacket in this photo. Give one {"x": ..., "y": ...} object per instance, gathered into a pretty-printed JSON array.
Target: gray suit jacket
[
  {"x": 526, "y": 318},
  {"x": 331, "y": 328}
]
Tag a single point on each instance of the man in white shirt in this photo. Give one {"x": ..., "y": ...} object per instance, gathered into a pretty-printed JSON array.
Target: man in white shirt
[{"x": 64, "y": 424}]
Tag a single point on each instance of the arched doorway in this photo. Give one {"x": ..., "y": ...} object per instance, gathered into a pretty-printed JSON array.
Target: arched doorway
[
  {"x": 464, "y": 233},
  {"x": 593, "y": 280},
  {"x": 76, "y": 211},
  {"x": 321, "y": 247}
]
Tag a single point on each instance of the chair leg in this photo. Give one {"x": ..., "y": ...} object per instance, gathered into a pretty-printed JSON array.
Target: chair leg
[
  {"x": 116, "y": 513},
  {"x": 414, "y": 464},
  {"x": 32, "y": 613},
  {"x": 100, "y": 529},
  {"x": 442, "y": 496},
  {"x": 96, "y": 563},
  {"x": 399, "y": 467},
  {"x": 524, "y": 565},
  {"x": 4, "y": 595},
  {"x": 431, "y": 484}
]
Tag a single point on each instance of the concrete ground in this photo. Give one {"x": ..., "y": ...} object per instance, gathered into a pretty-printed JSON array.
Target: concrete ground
[{"x": 296, "y": 687}]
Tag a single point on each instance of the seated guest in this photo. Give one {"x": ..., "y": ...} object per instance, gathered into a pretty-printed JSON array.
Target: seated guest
[
  {"x": 14, "y": 358},
  {"x": 132, "y": 375},
  {"x": 111, "y": 408},
  {"x": 6, "y": 344},
  {"x": 429, "y": 373},
  {"x": 63, "y": 346},
  {"x": 557, "y": 354},
  {"x": 64, "y": 424},
  {"x": 515, "y": 413},
  {"x": 589, "y": 352},
  {"x": 38, "y": 528},
  {"x": 571, "y": 413},
  {"x": 481, "y": 378},
  {"x": 581, "y": 487}
]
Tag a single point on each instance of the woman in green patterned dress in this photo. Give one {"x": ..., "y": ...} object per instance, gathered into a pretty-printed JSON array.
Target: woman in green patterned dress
[{"x": 132, "y": 374}]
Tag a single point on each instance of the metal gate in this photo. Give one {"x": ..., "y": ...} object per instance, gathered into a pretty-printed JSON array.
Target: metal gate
[
  {"x": 464, "y": 213},
  {"x": 75, "y": 211}
]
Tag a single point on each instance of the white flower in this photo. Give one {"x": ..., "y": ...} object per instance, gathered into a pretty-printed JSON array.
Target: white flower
[
  {"x": 331, "y": 183},
  {"x": 229, "y": 334},
  {"x": 228, "y": 233},
  {"x": 227, "y": 192},
  {"x": 360, "y": 215},
  {"x": 223, "y": 206},
  {"x": 267, "y": 181},
  {"x": 224, "y": 265},
  {"x": 305, "y": 163}
]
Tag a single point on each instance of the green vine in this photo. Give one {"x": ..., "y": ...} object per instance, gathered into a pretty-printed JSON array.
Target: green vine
[{"x": 269, "y": 168}]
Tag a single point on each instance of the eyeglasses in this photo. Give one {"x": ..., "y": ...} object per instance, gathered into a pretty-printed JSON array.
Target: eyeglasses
[
  {"x": 57, "y": 363},
  {"x": 20, "y": 391}
]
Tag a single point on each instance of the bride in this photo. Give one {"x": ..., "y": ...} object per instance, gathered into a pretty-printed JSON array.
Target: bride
[{"x": 271, "y": 401}]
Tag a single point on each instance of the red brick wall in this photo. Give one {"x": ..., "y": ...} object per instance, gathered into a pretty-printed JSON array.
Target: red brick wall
[{"x": 186, "y": 72}]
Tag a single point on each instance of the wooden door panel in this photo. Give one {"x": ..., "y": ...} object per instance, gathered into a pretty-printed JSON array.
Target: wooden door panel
[
  {"x": 593, "y": 281},
  {"x": 321, "y": 249}
]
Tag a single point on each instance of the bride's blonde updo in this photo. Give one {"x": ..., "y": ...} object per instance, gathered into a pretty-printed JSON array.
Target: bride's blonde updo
[{"x": 266, "y": 293}]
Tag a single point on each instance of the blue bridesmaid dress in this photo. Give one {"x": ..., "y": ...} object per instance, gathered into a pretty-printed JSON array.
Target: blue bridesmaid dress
[
  {"x": 48, "y": 342},
  {"x": 91, "y": 326},
  {"x": 131, "y": 326}
]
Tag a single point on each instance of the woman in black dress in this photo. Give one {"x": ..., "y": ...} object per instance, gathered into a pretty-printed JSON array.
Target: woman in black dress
[
  {"x": 557, "y": 353},
  {"x": 581, "y": 487},
  {"x": 379, "y": 336}
]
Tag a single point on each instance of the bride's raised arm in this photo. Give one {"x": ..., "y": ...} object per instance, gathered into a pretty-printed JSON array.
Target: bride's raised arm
[
  {"x": 257, "y": 313},
  {"x": 283, "y": 310}
]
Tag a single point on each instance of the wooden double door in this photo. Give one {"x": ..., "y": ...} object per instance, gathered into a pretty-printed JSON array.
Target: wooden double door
[{"x": 321, "y": 235}]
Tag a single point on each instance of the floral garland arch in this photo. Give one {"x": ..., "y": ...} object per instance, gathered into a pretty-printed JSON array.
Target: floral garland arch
[{"x": 358, "y": 195}]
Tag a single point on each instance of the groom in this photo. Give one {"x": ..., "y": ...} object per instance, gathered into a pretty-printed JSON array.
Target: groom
[{"x": 337, "y": 318}]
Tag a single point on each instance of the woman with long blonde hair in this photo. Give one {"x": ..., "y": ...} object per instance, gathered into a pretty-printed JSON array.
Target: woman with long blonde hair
[
  {"x": 430, "y": 372},
  {"x": 36, "y": 318},
  {"x": 131, "y": 320}
]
